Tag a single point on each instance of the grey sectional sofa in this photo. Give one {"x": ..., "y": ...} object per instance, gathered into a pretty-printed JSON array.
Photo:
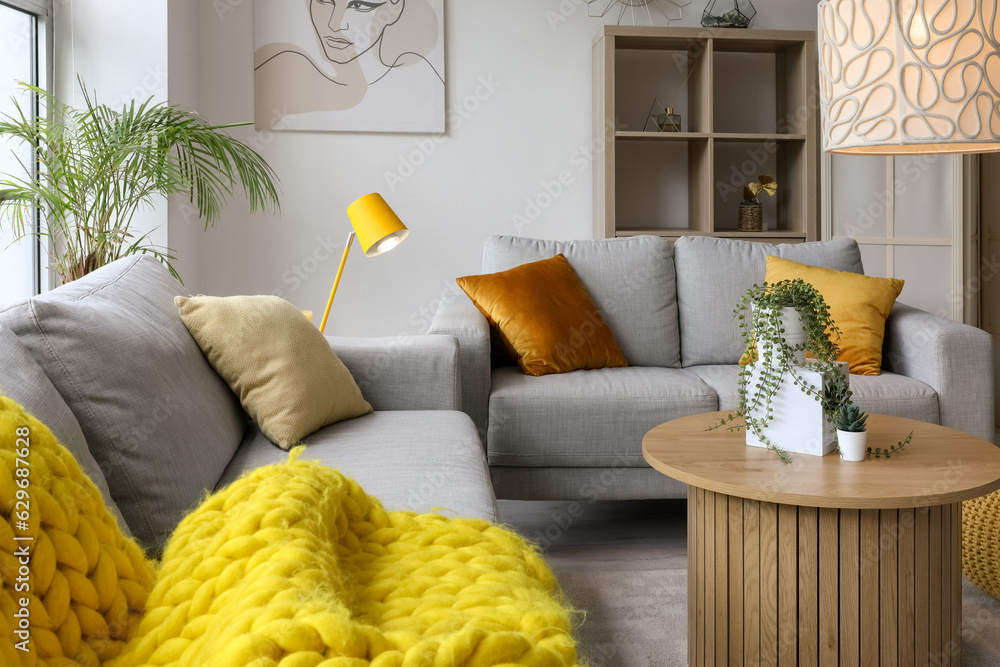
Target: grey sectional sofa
[
  {"x": 108, "y": 365},
  {"x": 578, "y": 435}
]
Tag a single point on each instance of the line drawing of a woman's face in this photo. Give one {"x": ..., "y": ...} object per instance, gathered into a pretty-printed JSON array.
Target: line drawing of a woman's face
[{"x": 349, "y": 28}]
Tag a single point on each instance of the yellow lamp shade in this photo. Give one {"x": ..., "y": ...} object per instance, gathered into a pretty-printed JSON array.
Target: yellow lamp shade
[{"x": 377, "y": 226}]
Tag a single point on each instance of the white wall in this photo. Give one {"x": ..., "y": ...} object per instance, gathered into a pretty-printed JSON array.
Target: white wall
[
  {"x": 184, "y": 88},
  {"x": 533, "y": 122},
  {"x": 519, "y": 100},
  {"x": 119, "y": 48}
]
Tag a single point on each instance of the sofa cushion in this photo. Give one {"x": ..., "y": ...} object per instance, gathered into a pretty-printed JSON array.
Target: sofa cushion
[
  {"x": 886, "y": 394},
  {"x": 23, "y": 381},
  {"x": 586, "y": 418},
  {"x": 159, "y": 421},
  {"x": 545, "y": 317},
  {"x": 631, "y": 281},
  {"x": 712, "y": 276},
  {"x": 723, "y": 380},
  {"x": 896, "y": 395},
  {"x": 276, "y": 361},
  {"x": 858, "y": 305},
  {"x": 425, "y": 461}
]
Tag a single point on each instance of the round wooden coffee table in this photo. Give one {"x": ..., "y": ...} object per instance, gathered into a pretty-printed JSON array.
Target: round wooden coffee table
[{"x": 823, "y": 561}]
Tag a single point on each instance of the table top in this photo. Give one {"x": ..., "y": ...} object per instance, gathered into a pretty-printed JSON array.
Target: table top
[{"x": 940, "y": 466}]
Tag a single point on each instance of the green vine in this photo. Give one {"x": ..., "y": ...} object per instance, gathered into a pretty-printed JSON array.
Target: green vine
[
  {"x": 878, "y": 452},
  {"x": 759, "y": 316}
]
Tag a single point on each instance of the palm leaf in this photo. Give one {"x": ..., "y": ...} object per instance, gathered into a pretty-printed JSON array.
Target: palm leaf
[{"x": 98, "y": 166}]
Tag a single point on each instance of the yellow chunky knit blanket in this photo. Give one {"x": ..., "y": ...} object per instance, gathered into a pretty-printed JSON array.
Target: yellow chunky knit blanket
[
  {"x": 73, "y": 586},
  {"x": 291, "y": 566}
]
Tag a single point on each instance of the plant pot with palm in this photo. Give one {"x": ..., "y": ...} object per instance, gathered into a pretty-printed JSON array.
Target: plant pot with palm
[
  {"x": 852, "y": 434},
  {"x": 95, "y": 167},
  {"x": 788, "y": 402}
]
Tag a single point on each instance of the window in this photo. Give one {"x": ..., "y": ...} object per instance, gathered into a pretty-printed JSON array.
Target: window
[
  {"x": 906, "y": 213},
  {"x": 23, "y": 25}
]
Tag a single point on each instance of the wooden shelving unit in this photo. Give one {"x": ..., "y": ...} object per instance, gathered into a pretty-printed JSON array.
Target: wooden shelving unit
[{"x": 749, "y": 106}]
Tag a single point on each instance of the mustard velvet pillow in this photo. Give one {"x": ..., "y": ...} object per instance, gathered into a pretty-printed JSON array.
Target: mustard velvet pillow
[
  {"x": 545, "y": 317},
  {"x": 859, "y": 305},
  {"x": 288, "y": 379}
]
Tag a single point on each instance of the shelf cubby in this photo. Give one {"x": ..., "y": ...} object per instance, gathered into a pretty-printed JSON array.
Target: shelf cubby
[{"x": 747, "y": 100}]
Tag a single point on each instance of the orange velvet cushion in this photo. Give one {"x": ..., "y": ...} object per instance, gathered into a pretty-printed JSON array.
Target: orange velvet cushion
[
  {"x": 545, "y": 317},
  {"x": 858, "y": 304}
]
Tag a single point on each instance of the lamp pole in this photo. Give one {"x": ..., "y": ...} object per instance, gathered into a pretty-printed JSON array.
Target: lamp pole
[{"x": 336, "y": 283}]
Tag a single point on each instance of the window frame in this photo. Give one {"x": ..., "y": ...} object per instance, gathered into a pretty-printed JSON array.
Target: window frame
[
  {"x": 957, "y": 242},
  {"x": 41, "y": 65}
]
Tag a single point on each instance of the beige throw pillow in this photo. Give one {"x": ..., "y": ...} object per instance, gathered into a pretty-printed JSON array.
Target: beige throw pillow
[{"x": 282, "y": 368}]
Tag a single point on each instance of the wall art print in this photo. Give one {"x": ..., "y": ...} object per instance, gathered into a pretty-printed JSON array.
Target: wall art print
[{"x": 349, "y": 65}]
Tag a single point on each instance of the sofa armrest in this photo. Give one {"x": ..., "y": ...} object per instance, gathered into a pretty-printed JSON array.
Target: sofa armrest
[
  {"x": 403, "y": 372},
  {"x": 955, "y": 359},
  {"x": 457, "y": 316}
]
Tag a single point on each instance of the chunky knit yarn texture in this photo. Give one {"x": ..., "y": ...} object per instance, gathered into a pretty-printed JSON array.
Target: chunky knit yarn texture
[
  {"x": 981, "y": 542},
  {"x": 74, "y": 586},
  {"x": 294, "y": 565}
]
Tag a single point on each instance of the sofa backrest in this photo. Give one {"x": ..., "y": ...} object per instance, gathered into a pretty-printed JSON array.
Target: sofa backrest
[
  {"x": 22, "y": 380},
  {"x": 712, "y": 276},
  {"x": 158, "y": 420},
  {"x": 631, "y": 281}
]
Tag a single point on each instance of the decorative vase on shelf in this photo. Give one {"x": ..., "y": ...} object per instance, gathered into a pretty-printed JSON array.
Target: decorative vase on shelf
[
  {"x": 668, "y": 121},
  {"x": 751, "y": 217},
  {"x": 728, "y": 14}
]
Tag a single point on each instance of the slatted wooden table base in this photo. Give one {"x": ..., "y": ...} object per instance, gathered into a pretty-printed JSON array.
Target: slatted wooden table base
[{"x": 783, "y": 585}]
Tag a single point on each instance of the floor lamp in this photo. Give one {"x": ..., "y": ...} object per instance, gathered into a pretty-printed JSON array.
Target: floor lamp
[{"x": 378, "y": 230}]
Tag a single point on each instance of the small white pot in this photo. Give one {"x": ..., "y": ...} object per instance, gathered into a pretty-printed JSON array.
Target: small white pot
[{"x": 853, "y": 445}]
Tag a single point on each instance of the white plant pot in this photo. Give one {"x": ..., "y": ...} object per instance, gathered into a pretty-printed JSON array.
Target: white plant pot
[
  {"x": 795, "y": 333},
  {"x": 799, "y": 424},
  {"x": 853, "y": 445}
]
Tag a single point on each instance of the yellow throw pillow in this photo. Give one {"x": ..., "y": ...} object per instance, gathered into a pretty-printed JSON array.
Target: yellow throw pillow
[
  {"x": 282, "y": 368},
  {"x": 545, "y": 317},
  {"x": 72, "y": 587},
  {"x": 859, "y": 305}
]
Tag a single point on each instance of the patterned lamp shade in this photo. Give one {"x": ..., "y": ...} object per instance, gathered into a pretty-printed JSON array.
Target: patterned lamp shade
[{"x": 910, "y": 76}]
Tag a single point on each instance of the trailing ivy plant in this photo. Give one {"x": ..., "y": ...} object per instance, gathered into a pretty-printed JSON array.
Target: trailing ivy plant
[
  {"x": 898, "y": 448},
  {"x": 759, "y": 316}
]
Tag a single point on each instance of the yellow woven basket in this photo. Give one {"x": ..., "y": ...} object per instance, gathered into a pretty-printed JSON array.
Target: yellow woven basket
[{"x": 981, "y": 542}]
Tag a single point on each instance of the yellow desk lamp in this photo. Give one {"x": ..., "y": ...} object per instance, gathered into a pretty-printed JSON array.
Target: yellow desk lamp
[{"x": 378, "y": 229}]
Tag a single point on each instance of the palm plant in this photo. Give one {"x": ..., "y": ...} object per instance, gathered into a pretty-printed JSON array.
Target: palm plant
[{"x": 95, "y": 167}]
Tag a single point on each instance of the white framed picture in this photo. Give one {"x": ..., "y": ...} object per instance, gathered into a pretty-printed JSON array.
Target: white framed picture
[{"x": 349, "y": 65}]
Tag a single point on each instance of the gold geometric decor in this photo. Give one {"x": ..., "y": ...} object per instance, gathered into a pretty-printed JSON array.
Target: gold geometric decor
[
  {"x": 909, "y": 76},
  {"x": 671, "y": 10}
]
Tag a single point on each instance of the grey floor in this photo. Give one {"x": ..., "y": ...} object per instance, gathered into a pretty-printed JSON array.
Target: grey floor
[{"x": 623, "y": 564}]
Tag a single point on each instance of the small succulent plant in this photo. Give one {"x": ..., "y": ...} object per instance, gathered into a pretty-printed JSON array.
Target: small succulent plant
[{"x": 850, "y": 418}]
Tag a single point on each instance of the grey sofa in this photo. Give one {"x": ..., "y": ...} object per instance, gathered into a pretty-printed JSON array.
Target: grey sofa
[
  {"x": 108, "y": 365},
  {"x": 578, "y": 435}
]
